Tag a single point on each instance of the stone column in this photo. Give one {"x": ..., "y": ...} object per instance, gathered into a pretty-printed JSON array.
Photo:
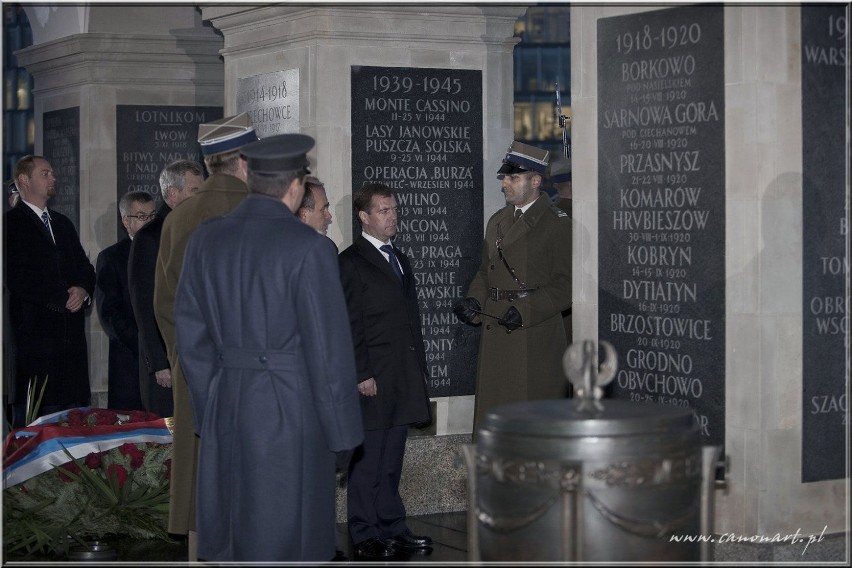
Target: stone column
[
  {"x": 323, "y": 42},
  {"x": 99, "y": 57},
  {"x": 764, "y": 494}
]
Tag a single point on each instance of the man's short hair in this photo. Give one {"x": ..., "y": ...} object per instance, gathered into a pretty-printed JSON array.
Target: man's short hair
[
  {"x": 132, "y": 197},
  {"x": 364, "y": 196},
  {"x": 308, "y": 201},
  {"x": 26, "y": 165},
  {"x": 173, "y": 175},
  {"x": 274, "y": 185},
  {"x": 223, "y": 163}
]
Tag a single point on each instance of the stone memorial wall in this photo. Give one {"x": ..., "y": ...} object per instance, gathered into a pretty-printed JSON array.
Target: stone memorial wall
[
  {"x": 61, "y": 147},
  {"x": 419, "y": 131},
  {"x": 825, "y": 257},
  {"x": 148, "y": 137},
  {"x": 661, "y": 208}
]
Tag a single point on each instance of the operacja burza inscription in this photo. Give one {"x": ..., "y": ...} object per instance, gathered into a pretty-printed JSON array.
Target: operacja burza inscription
[
  {"x": 825, "y": 229},
  {"x": 661, "y": 208},
  {"x": 419, "y": 131}
]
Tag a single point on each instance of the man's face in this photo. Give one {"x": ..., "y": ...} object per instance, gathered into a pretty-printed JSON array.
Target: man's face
[
  {"x": 380, "y": 221},
  {"x": 139, "y": 215},
  {"x": 521, "y": 188},
  {"x": 39, "y": 186},
  {"x": 191, "y": 183},
  {"x": 319, "y": 216}
]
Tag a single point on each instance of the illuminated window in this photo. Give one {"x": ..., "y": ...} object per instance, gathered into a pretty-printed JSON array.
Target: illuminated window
[{"x": 18, "y": 121}]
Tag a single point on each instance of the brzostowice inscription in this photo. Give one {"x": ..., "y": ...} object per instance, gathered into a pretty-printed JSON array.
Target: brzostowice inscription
[{"x": 661, "y": 207}]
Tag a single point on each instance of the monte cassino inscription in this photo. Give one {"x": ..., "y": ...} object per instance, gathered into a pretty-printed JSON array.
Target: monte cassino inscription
[
  {"x": 419, "y": 131},
  {"x": 661, "y": 208}
]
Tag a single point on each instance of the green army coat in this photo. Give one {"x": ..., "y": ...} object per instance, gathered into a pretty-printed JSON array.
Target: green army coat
[
  {"x": 525, "y": 364},
  {"x": 219, "y": 194}
]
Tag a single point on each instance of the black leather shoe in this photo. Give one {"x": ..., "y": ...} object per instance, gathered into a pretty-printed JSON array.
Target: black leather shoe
[
  {"x": 339, "y": 556},
  {"x": 373, "y": 549},
  {"x": 409, "y": 540}
]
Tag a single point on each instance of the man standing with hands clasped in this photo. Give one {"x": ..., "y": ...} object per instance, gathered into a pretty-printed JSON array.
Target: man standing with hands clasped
[
  {"x": 521, "y": 289},
  {"x": 391, "y": 367}
]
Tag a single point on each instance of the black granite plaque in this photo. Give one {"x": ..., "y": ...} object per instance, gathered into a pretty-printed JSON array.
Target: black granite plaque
[
  {"x": 148, "y": 137},
  {"x": 825, "y": 258},
  {"x": 419, "y": 131},
  {"x": 61, "y": 147},
  {"x": 661, "y": 212}
]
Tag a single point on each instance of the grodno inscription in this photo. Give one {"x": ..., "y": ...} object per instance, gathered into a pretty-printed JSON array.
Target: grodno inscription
[
  {"x": 825, "y": 256},
  {"x": 62, "y": 149},
  {"x": 271, "y": 101},
  {"x": 419, "y": 131},
  {"x": 149, "y": 137},
  {"x": 661, "y": 208}
]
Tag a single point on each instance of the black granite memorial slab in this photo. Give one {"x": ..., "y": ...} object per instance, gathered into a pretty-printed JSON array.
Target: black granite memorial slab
[
  {"x": 825, "y": 256},
  {"x": 148, "y": 137},
  {"x": 419, "y": 131},
  {"x": 61, "y": 147},
  {"x": 661, "y": 208}
]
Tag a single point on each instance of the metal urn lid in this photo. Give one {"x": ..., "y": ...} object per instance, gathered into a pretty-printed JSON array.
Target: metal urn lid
[
  {"x": 588, "y": 415},
  {"x": 561, "y": 418}
]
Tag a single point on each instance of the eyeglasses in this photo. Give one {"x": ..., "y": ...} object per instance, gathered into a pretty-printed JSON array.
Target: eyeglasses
[{"x": 142, "y": 216}]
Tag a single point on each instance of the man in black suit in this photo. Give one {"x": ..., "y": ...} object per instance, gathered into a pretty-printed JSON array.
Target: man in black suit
[
  {"x": 179, "y": 181},
  {"x": 391, "y": 369},
  {"x": 112, "y": 299},
  {"x": 50, "y": 281}
]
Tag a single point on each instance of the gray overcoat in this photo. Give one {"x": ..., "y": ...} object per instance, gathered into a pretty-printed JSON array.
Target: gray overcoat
[
  {"x": 266, "y": 350},
  {"x": 525, "y": 364}
]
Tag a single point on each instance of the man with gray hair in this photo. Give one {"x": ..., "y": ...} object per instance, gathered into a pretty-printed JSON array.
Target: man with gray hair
[
  {"x": 112, "y": 298},
  {"x": 179, "y": 180}
]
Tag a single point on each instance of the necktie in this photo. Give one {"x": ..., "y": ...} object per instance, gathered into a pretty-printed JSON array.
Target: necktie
[
  {"x": 46, "y": 220},
  {"x": 518, "y": 213},
  {"x": 392, "y": 260}
]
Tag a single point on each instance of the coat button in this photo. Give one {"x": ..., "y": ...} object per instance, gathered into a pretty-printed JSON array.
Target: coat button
[
  {"x": 262, "y": 359},
  {"x": 488, "y": 326},
  {"x": 221, "y": 357}
]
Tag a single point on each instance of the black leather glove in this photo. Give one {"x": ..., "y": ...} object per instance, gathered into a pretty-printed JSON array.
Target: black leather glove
[
  {"x": 342, "y": 459},
  {"x": 466, "y": 310},
  {"x": 511, "y": 320}
]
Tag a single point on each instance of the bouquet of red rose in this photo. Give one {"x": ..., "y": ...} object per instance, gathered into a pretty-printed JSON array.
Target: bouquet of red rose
[{"x": 87, "y": 473}]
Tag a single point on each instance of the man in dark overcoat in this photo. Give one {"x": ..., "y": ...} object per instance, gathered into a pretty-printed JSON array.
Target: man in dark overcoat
[
  {"x": 179, "y": 181},
  {"x": 523, "y": 285},
  {"x": 112, "y": 299},
  {"x": 391, "y": 368},
  {"x": 50, "y": 282},
  {"x": 266, "y": 352},
  {"x": 220, "y": 193}
]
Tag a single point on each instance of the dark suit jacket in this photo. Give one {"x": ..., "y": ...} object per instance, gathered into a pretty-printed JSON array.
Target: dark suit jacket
[
  {"x": 112, "y": 299},
  {"x": 50, "y": 341},
  {"x": 386, "y": 334},
  {"x": 152, "y": 350}
]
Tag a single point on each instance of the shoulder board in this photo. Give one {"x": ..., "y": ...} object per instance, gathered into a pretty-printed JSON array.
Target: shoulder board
[{"x": 559, "y": 212}]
